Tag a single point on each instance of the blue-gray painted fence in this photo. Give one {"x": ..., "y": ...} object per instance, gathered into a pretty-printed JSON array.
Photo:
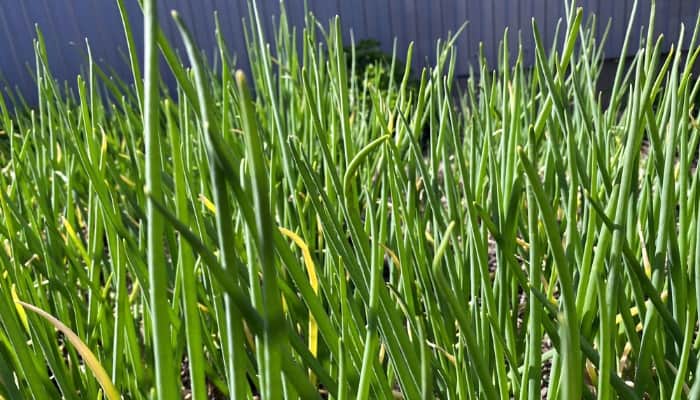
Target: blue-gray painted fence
[{"x": 66, "y": 24}]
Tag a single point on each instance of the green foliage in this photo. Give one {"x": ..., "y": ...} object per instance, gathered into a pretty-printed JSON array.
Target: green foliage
[
  {"x": 372, "y": 67},
  {"x": 373, "y": 63},
  {"x": 296, "y": 241}
]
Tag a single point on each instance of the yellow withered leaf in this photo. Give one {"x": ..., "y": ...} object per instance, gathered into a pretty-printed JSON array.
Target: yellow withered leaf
[
  {"x": 207, "y": 203},
  {"x": 91, "y": 361},
  {"x": 313, "y": 279},
  {"x": 20, "y": 310},
  {"x": 76, "y": 241}
]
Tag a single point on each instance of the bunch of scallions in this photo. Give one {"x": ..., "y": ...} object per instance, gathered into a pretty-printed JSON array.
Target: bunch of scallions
[{"x": 300, "y": 231}]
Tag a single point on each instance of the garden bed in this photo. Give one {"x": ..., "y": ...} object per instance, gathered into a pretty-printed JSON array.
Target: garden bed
[{"x": 306, "y": 231}]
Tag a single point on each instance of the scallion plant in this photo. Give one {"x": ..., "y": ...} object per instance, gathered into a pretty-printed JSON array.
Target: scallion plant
[{"x": 300, "y": 231}]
